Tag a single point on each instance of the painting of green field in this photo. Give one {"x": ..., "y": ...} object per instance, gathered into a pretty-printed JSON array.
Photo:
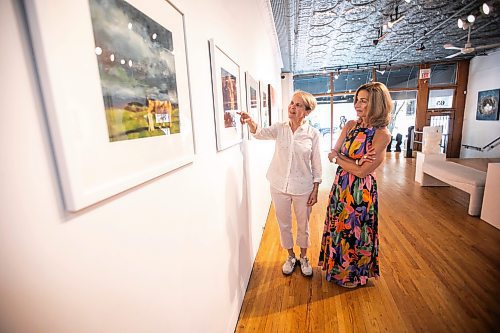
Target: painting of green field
[
  {"x": 127, "y": 125},
  {"x": 136, "y": 61}
]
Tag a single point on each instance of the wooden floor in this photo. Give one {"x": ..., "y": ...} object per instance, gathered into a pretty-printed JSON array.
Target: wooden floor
[{"x": 440, "y": 269}]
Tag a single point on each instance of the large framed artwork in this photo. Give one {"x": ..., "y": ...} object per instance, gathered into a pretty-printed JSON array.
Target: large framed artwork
[
  {"x": 226, "y": 95},
  {"x": 264, "y": 105},
  {"x": 114, "y": 79},
  {"x": 253, "y": 100},
  {"x": 487, "y": 104}
]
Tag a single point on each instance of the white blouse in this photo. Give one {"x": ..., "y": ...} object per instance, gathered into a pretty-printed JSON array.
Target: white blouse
[{"x": 296, "y": 163}]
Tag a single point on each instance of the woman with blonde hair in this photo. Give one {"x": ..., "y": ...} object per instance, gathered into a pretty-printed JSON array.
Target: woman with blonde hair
[
  {"x": 294, "y": 174},
  {"x": 349, "y": 246}
]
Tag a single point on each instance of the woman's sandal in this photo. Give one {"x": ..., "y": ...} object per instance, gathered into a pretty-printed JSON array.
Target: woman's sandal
[{"x": 349, "y": 285}]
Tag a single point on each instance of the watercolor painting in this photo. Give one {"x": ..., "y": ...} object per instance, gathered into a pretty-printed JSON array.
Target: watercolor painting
[{"x": 137, "y": 69}]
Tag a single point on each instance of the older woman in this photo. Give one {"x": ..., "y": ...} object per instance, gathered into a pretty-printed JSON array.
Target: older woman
[
  {"x": 294, "y": 174},
  {"x": 349, "y": 247}
]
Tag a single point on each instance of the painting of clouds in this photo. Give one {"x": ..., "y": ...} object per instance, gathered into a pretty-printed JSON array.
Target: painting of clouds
[{"x": 136, "y": 63}]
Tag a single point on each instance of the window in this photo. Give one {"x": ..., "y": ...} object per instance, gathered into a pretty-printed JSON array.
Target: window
[
  {"x": 443, "y": 74},
  {"x": 402, "y": 116},
  {"x": 343, "y": 111},
  {"x": 350, "y": 81},
  {"x": 320, "y": 119},
  {"x": 405, "y": 77},
  {"x": 402, "y": 95},
  {"x": 346, "y": 98},
  {"x": 314, "y": 84},
  {"x": 441, "y": 99},
  {"x": 444, "y": 123}
]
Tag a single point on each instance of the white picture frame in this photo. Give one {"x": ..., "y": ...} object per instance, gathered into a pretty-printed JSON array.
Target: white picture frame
[
  {"x": 253, "y": 98},
  {"x": 264, "y": 105},
  {"x": 274, "y": 110},
  {"x": 91, "y": 167},
  {"x": 226, "y": 96}
]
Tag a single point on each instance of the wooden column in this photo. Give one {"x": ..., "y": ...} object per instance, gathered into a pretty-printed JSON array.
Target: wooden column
[
  {"x": 456, "y": 137},
  {"x": 422, "y": 99}
]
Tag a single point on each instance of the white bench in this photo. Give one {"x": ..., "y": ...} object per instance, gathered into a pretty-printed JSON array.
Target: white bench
[
  {"x": 490, "y": 211},
  {"x": 434, "y": 170}
]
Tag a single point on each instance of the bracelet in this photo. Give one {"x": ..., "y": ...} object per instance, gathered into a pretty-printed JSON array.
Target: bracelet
[{"x": 357, "y": 162}]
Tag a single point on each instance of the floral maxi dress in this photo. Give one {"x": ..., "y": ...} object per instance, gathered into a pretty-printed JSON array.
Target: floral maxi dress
[{"x": 349, "y": 246}]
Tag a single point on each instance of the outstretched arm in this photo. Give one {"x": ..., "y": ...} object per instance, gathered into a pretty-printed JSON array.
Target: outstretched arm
[
  {"x": 246, "y": 119},
  {"x": 266, "y": 133}
]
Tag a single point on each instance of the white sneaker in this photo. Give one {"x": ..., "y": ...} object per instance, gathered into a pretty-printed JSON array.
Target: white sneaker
[
  {"x": 305, "y": 266},
  {"x": 289, "y": 265}
]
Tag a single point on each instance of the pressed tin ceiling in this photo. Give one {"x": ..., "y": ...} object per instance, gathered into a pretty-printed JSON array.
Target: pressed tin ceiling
[{"x": 333, "y": 34}]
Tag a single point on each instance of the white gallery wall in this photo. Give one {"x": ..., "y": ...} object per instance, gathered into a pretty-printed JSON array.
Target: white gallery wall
[
  {"x": 171, "y": 255},
  {"x": 484, "y": 74}
]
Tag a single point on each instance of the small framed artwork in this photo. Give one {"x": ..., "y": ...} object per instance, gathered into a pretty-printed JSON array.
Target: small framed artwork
[
  {"x": 487, "y": 104},
  {"x": 264, "y": 105},
  {"x": 253, "y": 98},
  {"x": 114, "y": 79},
  {"x": 226, "y": 96}
]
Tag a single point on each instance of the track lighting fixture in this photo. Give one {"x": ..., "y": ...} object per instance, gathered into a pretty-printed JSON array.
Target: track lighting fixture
[
  {"x": 464, "y": 23},
  {"x": 420, "y": 48},
  {"x": 395, "y": 18},
  {"x": 485, "y": 9},
  {"x": 345, "y": 70}
]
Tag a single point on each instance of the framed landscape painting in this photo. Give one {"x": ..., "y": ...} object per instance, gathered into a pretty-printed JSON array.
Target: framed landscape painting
[
  {"x": 226, "y": 97},
  {"x": 114, "y": 79},
  {"x": 253, "y": 100},
  {"x": 487, "y": 104}
]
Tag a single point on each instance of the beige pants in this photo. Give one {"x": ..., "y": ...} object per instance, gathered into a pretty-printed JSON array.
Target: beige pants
[{"x": 283, "y": 207}]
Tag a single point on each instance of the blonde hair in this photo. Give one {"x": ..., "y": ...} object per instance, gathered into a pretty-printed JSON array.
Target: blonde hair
[
  {"x": 309, "y": 100},
  {"x": 379, "y": 104}
]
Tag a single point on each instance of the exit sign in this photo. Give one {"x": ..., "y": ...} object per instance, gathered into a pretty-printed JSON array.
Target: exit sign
[{"x": 425, "y": 73}]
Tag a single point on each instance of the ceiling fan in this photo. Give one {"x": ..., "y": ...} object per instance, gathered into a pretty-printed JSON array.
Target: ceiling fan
[{"x": 468, "y": 48}]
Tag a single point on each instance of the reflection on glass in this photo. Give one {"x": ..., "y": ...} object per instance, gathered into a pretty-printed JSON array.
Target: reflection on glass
[{"x": 229, "y": 98}]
